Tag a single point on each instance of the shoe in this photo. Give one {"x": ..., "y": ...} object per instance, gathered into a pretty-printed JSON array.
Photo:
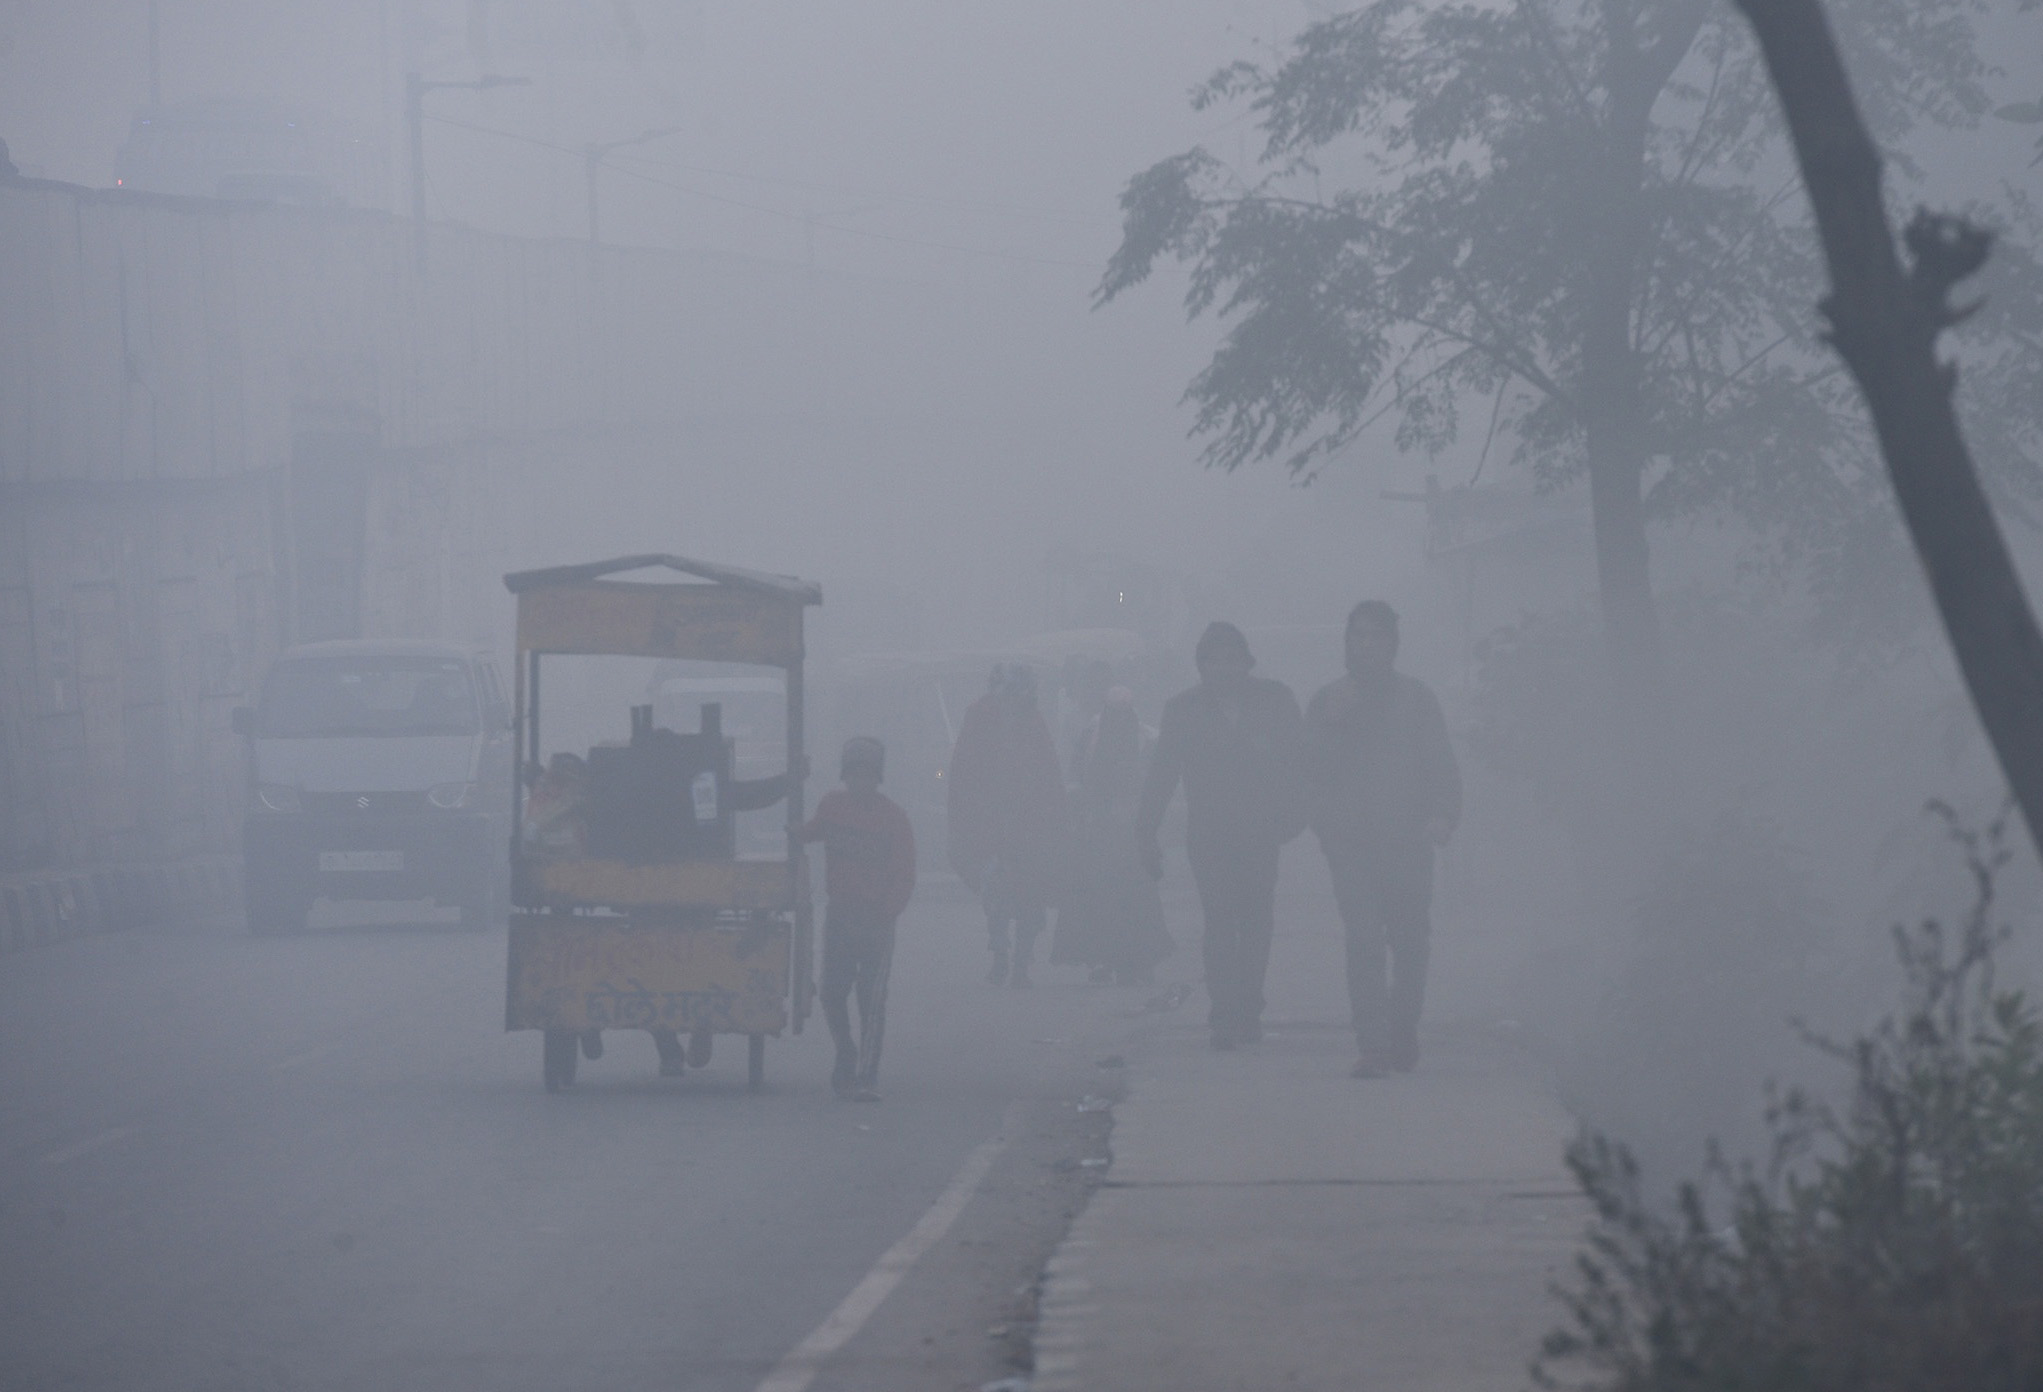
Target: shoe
[
  {"x": 701, "y": 1045},
  {"x": 1252, "y": 1035},
  {"x": 841, "y": 1076},
  {"x": 675, "y": 1067},
  {"x": 998, "y": 976},
  {"x": 1367, "y": 1068},
  {"x": 592, "y": 1044},
  {"x": 1222, "y": 1040},
  {"x": 867, "y": 1093}
]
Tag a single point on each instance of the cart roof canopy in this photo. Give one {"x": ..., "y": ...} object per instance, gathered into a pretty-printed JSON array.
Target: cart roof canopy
[
  {"x": 785, "y": 586},
  {"x": 722, "y": 614}
]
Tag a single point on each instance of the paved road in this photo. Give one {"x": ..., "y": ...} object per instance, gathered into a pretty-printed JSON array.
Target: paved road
[{"x": 318, "y": 1162}]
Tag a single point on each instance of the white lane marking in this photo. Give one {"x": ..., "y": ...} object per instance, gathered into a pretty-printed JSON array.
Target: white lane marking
[
  {"x": 798, "y": 1369},
  {"x": 286, "y": 1065},
  {"x": 87, "y": 1146}
]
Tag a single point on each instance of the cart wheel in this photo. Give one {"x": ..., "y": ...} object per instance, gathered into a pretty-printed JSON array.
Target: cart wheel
[
  {"x": 557, "y": 1059},
  {"x": 755, "y": 1063}
]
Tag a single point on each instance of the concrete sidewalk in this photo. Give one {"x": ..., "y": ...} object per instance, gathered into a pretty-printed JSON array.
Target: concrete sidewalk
[{"x": 1270, "y": 1223}]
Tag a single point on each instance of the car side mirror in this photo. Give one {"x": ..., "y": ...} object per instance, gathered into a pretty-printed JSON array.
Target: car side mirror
[{"x": 242, "y": 720}]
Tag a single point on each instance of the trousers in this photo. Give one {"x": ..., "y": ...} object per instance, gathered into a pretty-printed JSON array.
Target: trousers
[
  {"x": 1387, "y": 915},
  {"x": 1016, "y": 911},
  {"x": 1237, "y": 883},
  {"x": 858, "y": 957}
]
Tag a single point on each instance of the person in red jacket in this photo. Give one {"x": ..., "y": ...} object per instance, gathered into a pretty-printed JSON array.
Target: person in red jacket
[{"x": 868, "y": 876}]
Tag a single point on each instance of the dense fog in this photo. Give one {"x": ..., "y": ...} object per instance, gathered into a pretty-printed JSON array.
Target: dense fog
[{"x": 875, "y": 293}]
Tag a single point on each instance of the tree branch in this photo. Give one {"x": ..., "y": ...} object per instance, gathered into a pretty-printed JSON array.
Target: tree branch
[
  {"x": 1884, "y": 323},
  {"x": 1507, "y": 357}
]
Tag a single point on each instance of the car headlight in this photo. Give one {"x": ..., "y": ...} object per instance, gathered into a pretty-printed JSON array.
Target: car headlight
[
  {"x": 277, "y": 797},
  {"x": 450, "y": 796}
]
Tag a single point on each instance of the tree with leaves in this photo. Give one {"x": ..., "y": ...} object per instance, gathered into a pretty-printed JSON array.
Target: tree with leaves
[{"x": 1571, "y": 217}]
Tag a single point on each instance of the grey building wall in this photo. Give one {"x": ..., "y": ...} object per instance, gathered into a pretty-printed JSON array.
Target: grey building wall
[{"x": 225, "y": 428}]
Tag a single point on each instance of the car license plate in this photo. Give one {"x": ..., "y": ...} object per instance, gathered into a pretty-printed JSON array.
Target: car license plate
[{"x": 361, "y": 860}]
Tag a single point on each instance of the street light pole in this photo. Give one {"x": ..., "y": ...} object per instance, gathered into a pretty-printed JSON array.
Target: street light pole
[
  {"x": 415, "y": 130},
  {"x": 593, "y": 155},
  {"x": 155, "y": 62},
  {"x": 415, "y": 89}
]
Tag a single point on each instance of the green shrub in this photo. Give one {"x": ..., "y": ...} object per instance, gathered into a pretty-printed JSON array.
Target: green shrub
[{"x": 1894, "y": 1242}]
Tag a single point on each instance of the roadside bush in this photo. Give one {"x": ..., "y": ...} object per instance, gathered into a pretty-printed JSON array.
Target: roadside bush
[
  {"x": 1692, "y": 1017},
  {"x": 1894, "y": 1242}
]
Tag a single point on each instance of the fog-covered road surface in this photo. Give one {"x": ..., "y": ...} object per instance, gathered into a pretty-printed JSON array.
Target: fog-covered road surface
[{"x": 309, "y": 1163}]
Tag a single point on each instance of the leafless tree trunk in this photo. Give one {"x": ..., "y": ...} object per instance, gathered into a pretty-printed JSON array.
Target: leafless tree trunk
[{"x": 1884, "y": 321}]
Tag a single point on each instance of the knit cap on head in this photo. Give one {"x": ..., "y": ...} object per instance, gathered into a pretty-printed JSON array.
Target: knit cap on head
[
  {"x": 863, "y": 751},
  {"x": 1223, "y": 639}
]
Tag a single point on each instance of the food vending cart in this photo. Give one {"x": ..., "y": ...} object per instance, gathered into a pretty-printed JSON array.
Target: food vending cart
[{"x": 633, "y": 910}]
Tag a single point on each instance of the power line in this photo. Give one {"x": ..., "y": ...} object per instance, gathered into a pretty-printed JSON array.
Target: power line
[
  {"x": 967, "y": 205},
  {"x": 771, "y": 211}
]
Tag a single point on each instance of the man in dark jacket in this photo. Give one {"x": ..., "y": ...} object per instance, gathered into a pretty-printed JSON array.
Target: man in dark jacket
[
  {"x": 1387, "y": 792},
  {"x": 1236, "y": 741}
]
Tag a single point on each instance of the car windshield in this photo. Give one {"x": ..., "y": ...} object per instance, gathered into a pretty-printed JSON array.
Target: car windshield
[{"x": 312, "y": 697}]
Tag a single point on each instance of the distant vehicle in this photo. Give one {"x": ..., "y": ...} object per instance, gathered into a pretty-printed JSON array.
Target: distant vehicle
[
  {"x": 379, "y": 770},
  {"x": 249, "y": 151}
]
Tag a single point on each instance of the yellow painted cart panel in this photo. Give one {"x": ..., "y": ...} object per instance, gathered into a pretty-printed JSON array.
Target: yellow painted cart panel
[
  {"x": 718, "y": 884},
  {"x": 569, "y": 973},
  {"x": 705, "y": 622}
]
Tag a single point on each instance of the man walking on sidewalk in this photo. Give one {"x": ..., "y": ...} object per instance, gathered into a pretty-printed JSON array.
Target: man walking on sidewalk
[
  {"x": 1007, "y": 816},
  {"x": 1236, "y": 742},
  {"x": 868, "y": 875},
  {"x": 1387, "y": 792}
]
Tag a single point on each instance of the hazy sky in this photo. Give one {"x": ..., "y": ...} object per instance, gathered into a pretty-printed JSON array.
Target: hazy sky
[
  {"x": 999, "y": 127},
  {"x": 972, "y": 149}
]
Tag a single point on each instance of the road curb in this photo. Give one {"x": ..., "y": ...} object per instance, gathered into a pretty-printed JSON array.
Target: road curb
[
  {"x": 1065, "y": 1310},
  {"x": 43, "y": 907}
]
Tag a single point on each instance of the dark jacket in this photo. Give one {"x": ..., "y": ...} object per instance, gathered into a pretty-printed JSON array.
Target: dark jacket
[
  {"x": 1244, "y": 779},
  {"x": 1381, "y": 767},
  {"x": 1006, "y": 799}
]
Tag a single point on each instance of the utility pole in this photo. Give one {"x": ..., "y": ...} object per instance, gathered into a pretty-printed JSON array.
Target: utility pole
[
  {"x": 415, "y": 129},
  {"x": 593, "y": 155},
  {"x": 415, "y": 89},
  {"x": 155, "y": 63}
]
